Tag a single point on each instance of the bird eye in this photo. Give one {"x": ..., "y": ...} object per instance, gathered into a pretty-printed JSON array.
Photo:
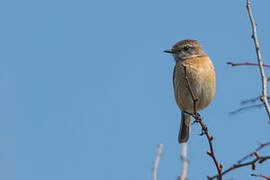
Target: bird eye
[{"x": 186, "y": 48}]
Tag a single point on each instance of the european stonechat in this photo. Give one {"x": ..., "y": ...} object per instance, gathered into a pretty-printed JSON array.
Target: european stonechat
[{"x": 201, "y": 75}]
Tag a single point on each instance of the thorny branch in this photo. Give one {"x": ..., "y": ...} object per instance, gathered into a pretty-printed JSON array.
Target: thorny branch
[
  {"x": 205, "y": 132},
  {"x": 260, "y": 175},
  {"x": 239, "y": 163},
  {"x": 264, "y": 98},
  {"x": 156, "y": 162},
  {"x": 259, "y": 58},
  {"x": 262, "y": 145},
  {"x": 252, "y": 163},
  {"x": 246, "y": 63}
]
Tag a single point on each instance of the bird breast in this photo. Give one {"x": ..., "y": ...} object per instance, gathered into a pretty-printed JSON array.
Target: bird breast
[{"x": 201, "y": 75}]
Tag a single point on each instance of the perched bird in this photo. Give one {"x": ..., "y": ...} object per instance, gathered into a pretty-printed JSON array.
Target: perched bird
[{"x": 201, "y": 75}]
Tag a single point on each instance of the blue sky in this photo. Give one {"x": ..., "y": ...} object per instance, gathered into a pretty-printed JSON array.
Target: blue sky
[{"x": 86, "y": 90}]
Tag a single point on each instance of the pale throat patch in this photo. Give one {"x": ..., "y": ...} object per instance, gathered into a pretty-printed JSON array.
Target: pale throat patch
[
  {"x": 187, "y": 57},
  {"x": 192, "y": 56}
]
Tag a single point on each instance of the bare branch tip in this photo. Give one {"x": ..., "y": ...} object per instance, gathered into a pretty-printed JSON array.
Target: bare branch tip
[
  {"x": 256, "y": 154},
  {"x": 221, "y": 165}
]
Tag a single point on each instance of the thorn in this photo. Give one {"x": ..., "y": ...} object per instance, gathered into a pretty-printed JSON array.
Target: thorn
[
  {"x": 256, "y": 154},
  {"x": 253, "y": 166},
  {"x": 221, "y": 165}
]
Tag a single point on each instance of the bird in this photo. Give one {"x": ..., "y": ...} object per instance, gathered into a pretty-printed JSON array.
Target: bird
[{"x": 189, "y": 54}]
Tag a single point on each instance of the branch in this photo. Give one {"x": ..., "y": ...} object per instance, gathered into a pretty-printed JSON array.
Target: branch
[
  {"x": 259, "y": 159},
  {"x": 156, "y": 162},
  {"x": 246, "y": 63},
  {"x": 259, "y": 58},
  {"x": 245, "y": 108},
  {"x": 252, "y": 100},
  {"x": 262, "y": 145},
  {"x": 260, "y": 175},
  {"x": 183, "y": 175},
  {"x": 205, "y": 132}
]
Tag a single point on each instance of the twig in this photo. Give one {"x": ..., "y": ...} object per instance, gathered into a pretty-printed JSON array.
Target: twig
[
  {"x": 198, "y": 119},
  {"x": 183, "y": 175},
  {"x": 259, "y": 58},
  {"x": 156, "y": 162},
  {"x": 245, "y": 108},
  {"x": 262, "y": 145},
  {"x": 194, "y": 98},
  {"x": 252, "y": 100},
  {"x": 260, "y": 175},
  {"x": 259, "y": 159},
  {"x": 246, "y": 63}
]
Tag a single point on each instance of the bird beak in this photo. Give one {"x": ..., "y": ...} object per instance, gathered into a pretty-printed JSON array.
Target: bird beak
[{"x": 169, "y": 51}]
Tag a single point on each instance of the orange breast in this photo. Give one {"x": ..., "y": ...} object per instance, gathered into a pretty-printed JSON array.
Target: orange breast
[{"x": 201, "y": 75}]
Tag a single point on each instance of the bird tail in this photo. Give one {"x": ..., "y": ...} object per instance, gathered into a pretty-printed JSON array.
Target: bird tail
[{"x": 184, "y": 128}]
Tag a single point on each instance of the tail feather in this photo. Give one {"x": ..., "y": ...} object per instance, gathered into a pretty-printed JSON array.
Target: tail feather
[{"x": 184, "y": 128}]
